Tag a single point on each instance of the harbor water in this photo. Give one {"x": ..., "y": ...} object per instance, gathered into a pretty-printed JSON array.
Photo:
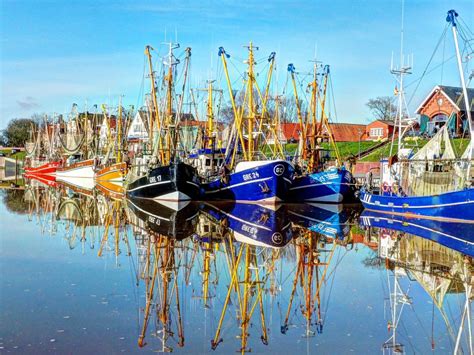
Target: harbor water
[{"x": 84, "y": 273}]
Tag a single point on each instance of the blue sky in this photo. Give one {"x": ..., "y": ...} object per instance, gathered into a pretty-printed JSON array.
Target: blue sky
[{"x": 55, "y": 53}]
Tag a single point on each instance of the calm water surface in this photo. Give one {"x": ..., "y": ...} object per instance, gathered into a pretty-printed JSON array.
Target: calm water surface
[{"x": 83, "y": 273}]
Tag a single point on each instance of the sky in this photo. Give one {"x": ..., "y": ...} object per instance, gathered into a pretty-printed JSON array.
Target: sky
[{"x": 56, "y": 53}]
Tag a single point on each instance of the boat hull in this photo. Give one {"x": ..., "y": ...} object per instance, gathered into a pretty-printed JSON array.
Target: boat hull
[
  {"x": 451, "y": 206},
  {"x": 110, "y": 180},
  {"x": 44, "y": 169},
  {"x": 114, "y": 173},
  {"x": 333, "y": 186},
  {"x": 267, "y": 183},
  {"x": 82, "y": 169},
  {"x": 175, "y": 182}
]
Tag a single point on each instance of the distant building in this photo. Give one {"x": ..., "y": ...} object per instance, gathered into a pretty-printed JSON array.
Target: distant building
[
  {"x": 139, "y": 127},
  {"x": 445, "y": 104},
  {"x": 379, "y": 129},
  {"x": 342, "y": 132},
  {"x": 348, "y": 132}
]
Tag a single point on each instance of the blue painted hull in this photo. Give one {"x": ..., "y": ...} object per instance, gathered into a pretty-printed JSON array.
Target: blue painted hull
[
  {"x": 331, "y": 186},
  {"x": 456, "y": 206},
  {"x": 267, "y": 183},
  {"x": 457, "y": 236},
  {"x": 253, "y": 224}
]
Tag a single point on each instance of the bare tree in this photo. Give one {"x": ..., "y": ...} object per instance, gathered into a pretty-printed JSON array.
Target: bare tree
[{"x": 383, "y": 108}]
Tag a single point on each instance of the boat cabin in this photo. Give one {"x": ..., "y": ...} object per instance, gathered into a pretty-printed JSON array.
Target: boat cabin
[{"x": 207, "y": 161}]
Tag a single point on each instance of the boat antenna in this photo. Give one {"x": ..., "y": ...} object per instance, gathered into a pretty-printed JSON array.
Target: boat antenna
[{"x": 400, "y": 72}]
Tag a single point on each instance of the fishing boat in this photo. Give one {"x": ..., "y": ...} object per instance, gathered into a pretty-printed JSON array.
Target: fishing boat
[
  {"x": 330, "y": 186},
  {"x": 202, "y": 140},
  {"x": 77, "y": 141},
  {"x": 317, "y": 182},
  {"x": 112, "y": 170},
  {"x": 251, "y": 179},
  {"x": 40, "y": 149},
  {"x": 400, "y": 194},
  {"x": 80, "y": 174},
  {"x": 169, "y": 179},
  {"x": 48, "y": 168}
]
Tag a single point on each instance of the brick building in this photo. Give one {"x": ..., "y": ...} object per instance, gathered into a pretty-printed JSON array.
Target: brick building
[
  {"x": 442, "y": 105},
  {"x": 379, "y": 129}
]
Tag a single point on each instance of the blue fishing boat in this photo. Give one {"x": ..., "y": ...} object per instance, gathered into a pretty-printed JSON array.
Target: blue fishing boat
[
  {"x": 317, "y": 182},
  {"x": 264, "y": 182},
  {"x": 433, "y": 183},
  {"x": 246, "y": 175},
  {"x": 332, "y": 185},
  {"x": 457, "y": 236},
  {"x": 253, "y": 224}
]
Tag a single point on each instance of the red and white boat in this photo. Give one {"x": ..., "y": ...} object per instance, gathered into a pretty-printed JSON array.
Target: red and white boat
[{"x": 44, "y": 169}]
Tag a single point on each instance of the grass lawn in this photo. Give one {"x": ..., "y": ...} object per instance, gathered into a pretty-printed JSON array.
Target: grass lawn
[
  {"x": 346, "y": 149},
  {"x": 18, "y": 155},
  {"x": 459, "y": 146}
]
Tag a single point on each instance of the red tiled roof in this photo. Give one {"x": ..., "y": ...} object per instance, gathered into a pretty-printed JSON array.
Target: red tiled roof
[
  {"x": 290, "y": 130},
  {"x": 348, "y": 132},
  {"x": 343, "y": 132}
]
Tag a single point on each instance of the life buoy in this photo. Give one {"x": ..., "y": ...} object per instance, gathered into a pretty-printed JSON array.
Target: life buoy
[{"x": 385, "y": 187}]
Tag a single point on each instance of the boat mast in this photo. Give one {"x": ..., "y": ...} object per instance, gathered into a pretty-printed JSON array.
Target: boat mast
[
  {"x": 237, "y": 120},
  {"x": 210, "y": 115},
  {"x": 451, "y": 18},
  {"x": 119, "y": 131},
  {"x": 155, "y": 111},
  {"x": 314, "y": 161},
  {"x": 251, "y": 113},
  {"x": 181, "y": 100},
  {"x": 291, "y": 70}
]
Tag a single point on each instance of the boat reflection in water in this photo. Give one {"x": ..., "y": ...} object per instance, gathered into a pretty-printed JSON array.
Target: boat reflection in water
[
  {"x": 149, "y": 214},
  {"x": 457, "y": 236},
  {"x": 248, "y": 278},
  {"x": 327, "y": 219},
  {"x": 251, "y": 223},
  {"x": 440, "y": 261}
]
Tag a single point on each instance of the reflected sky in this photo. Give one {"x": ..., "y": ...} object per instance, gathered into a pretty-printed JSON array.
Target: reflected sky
[{"x": 88, "y": 273}]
